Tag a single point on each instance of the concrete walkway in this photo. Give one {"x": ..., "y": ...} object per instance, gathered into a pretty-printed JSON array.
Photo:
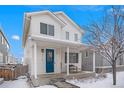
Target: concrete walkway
[
  {"x": 64, "y": 85},
  {"x": 61, "y": 83}
]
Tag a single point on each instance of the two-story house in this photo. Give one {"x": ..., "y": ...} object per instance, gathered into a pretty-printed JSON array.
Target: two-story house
[
  {"x": 4, "y": 48},
  {"x": 51, "y": 42}
]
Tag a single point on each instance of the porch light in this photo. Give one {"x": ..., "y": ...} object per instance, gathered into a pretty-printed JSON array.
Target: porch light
[{"x": 42, "y": 50}]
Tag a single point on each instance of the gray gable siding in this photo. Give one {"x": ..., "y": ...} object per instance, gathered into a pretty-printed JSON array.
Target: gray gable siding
[{"x": 87, "y": 62}]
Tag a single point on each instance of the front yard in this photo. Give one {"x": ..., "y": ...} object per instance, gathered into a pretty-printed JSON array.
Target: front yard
[
  {"x": 21, "y": 82},
  {"x": 100, "y": 82},
  {"x": 97, "y": 82}
]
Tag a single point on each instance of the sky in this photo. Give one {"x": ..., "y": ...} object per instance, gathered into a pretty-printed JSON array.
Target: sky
[{"x": 11, "y": 20}]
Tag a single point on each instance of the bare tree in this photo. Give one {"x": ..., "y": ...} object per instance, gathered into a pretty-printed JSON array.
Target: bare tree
[{"x": 107, "y": 36}]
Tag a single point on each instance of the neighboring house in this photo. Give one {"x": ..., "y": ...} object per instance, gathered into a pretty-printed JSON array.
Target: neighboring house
[
  {"x": 12, "y": 59},
  {"x": 4, "y": 48},
  {"x": 92, "y": 59},
  {"x": 52, "y": 42}
]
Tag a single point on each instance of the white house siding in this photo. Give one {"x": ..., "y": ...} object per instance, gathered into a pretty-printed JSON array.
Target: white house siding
[
  {"x": 41, "y": 60},
  {"x": 58, "y": 61},
  {"x": 69, "y": 28},
  {"x": 28, "y": 56},
  {"x": 35, "y": 25}
]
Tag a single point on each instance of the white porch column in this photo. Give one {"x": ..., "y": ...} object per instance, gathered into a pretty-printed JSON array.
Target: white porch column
[
  {"x": 80, "y": 60},
  {"x": 93, "y": 61},
  {"x": 67, "y": 60},
  {"x": 35, "y": 60}
]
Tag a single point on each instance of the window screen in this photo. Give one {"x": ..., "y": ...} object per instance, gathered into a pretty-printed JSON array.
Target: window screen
[
  {"x": 43, "y": 28},
  {"x": 73, "y": 57},
  {"x": 50, "y": 30},
  {"x": 67, "y": 35},
  {"x": 1, "y": 39},
  {"x": 86, "y": 53},
  {"x": 76, "y": 37},
  {"x": 46, "y": 29}
]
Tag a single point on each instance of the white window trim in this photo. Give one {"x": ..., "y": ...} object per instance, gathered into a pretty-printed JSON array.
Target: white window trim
[
  {"x": 47, "y": 33},
  {"x": 66, "y": 35}
]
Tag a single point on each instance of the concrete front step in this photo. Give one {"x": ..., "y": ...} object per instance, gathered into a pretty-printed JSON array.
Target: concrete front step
[
  {"x": 1, "y": 80},
  {"x": 61, "y": 83},
  {"x": 64, "y": 85}
]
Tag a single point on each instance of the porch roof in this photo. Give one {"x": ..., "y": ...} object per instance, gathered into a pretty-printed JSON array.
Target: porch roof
[{"x": 63, "y": 43}]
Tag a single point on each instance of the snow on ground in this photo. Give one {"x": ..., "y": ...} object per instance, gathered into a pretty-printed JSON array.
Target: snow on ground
[
  {"x": 100, "y": 82},
  {"x": 47, "y": 86},
  {"x": 21, "y": 82}
]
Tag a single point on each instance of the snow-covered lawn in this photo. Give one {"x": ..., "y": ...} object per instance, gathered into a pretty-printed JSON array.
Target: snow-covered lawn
[
  {"x": 21, "y": 82},
  {"x": 100, "y": 82},
  {"x": 47, "y": 86}
]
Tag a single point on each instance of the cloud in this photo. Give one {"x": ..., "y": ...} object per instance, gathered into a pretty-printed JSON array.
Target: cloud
[{"x": 15, "y": 37}]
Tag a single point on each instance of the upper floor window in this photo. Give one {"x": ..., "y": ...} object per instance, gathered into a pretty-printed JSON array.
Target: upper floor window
[
  {"x": 0, "y": 39},
  {"x": 46, "y": 29},
  {"x": 86, "y": 53},
  {"x": 76, "y": 37},
  {"x": 67, "y": 35}
]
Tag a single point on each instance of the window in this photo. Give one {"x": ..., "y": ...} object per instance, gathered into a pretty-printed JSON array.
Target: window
[
  {"x": 46, "y": 29},
  {"x": 67, "y": 35},
  {"x": 86, "y": 54},
  {"x": 50, "y": 30},
  {"x": 1, "y": 39},
  {"x": 1, "y": 58},
  {"x": 43, "y": 28},
  {"x": 73, "y": 57},
  {"x": 76, "y": 37}
]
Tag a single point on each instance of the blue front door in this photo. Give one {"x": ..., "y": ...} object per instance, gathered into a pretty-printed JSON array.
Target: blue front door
[{"x": 49, "y": 60}]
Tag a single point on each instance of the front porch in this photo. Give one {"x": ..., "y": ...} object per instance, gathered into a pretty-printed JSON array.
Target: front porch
[
  {"x": 45, "y": 79},
  {"x": 55, "y": 56}
]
